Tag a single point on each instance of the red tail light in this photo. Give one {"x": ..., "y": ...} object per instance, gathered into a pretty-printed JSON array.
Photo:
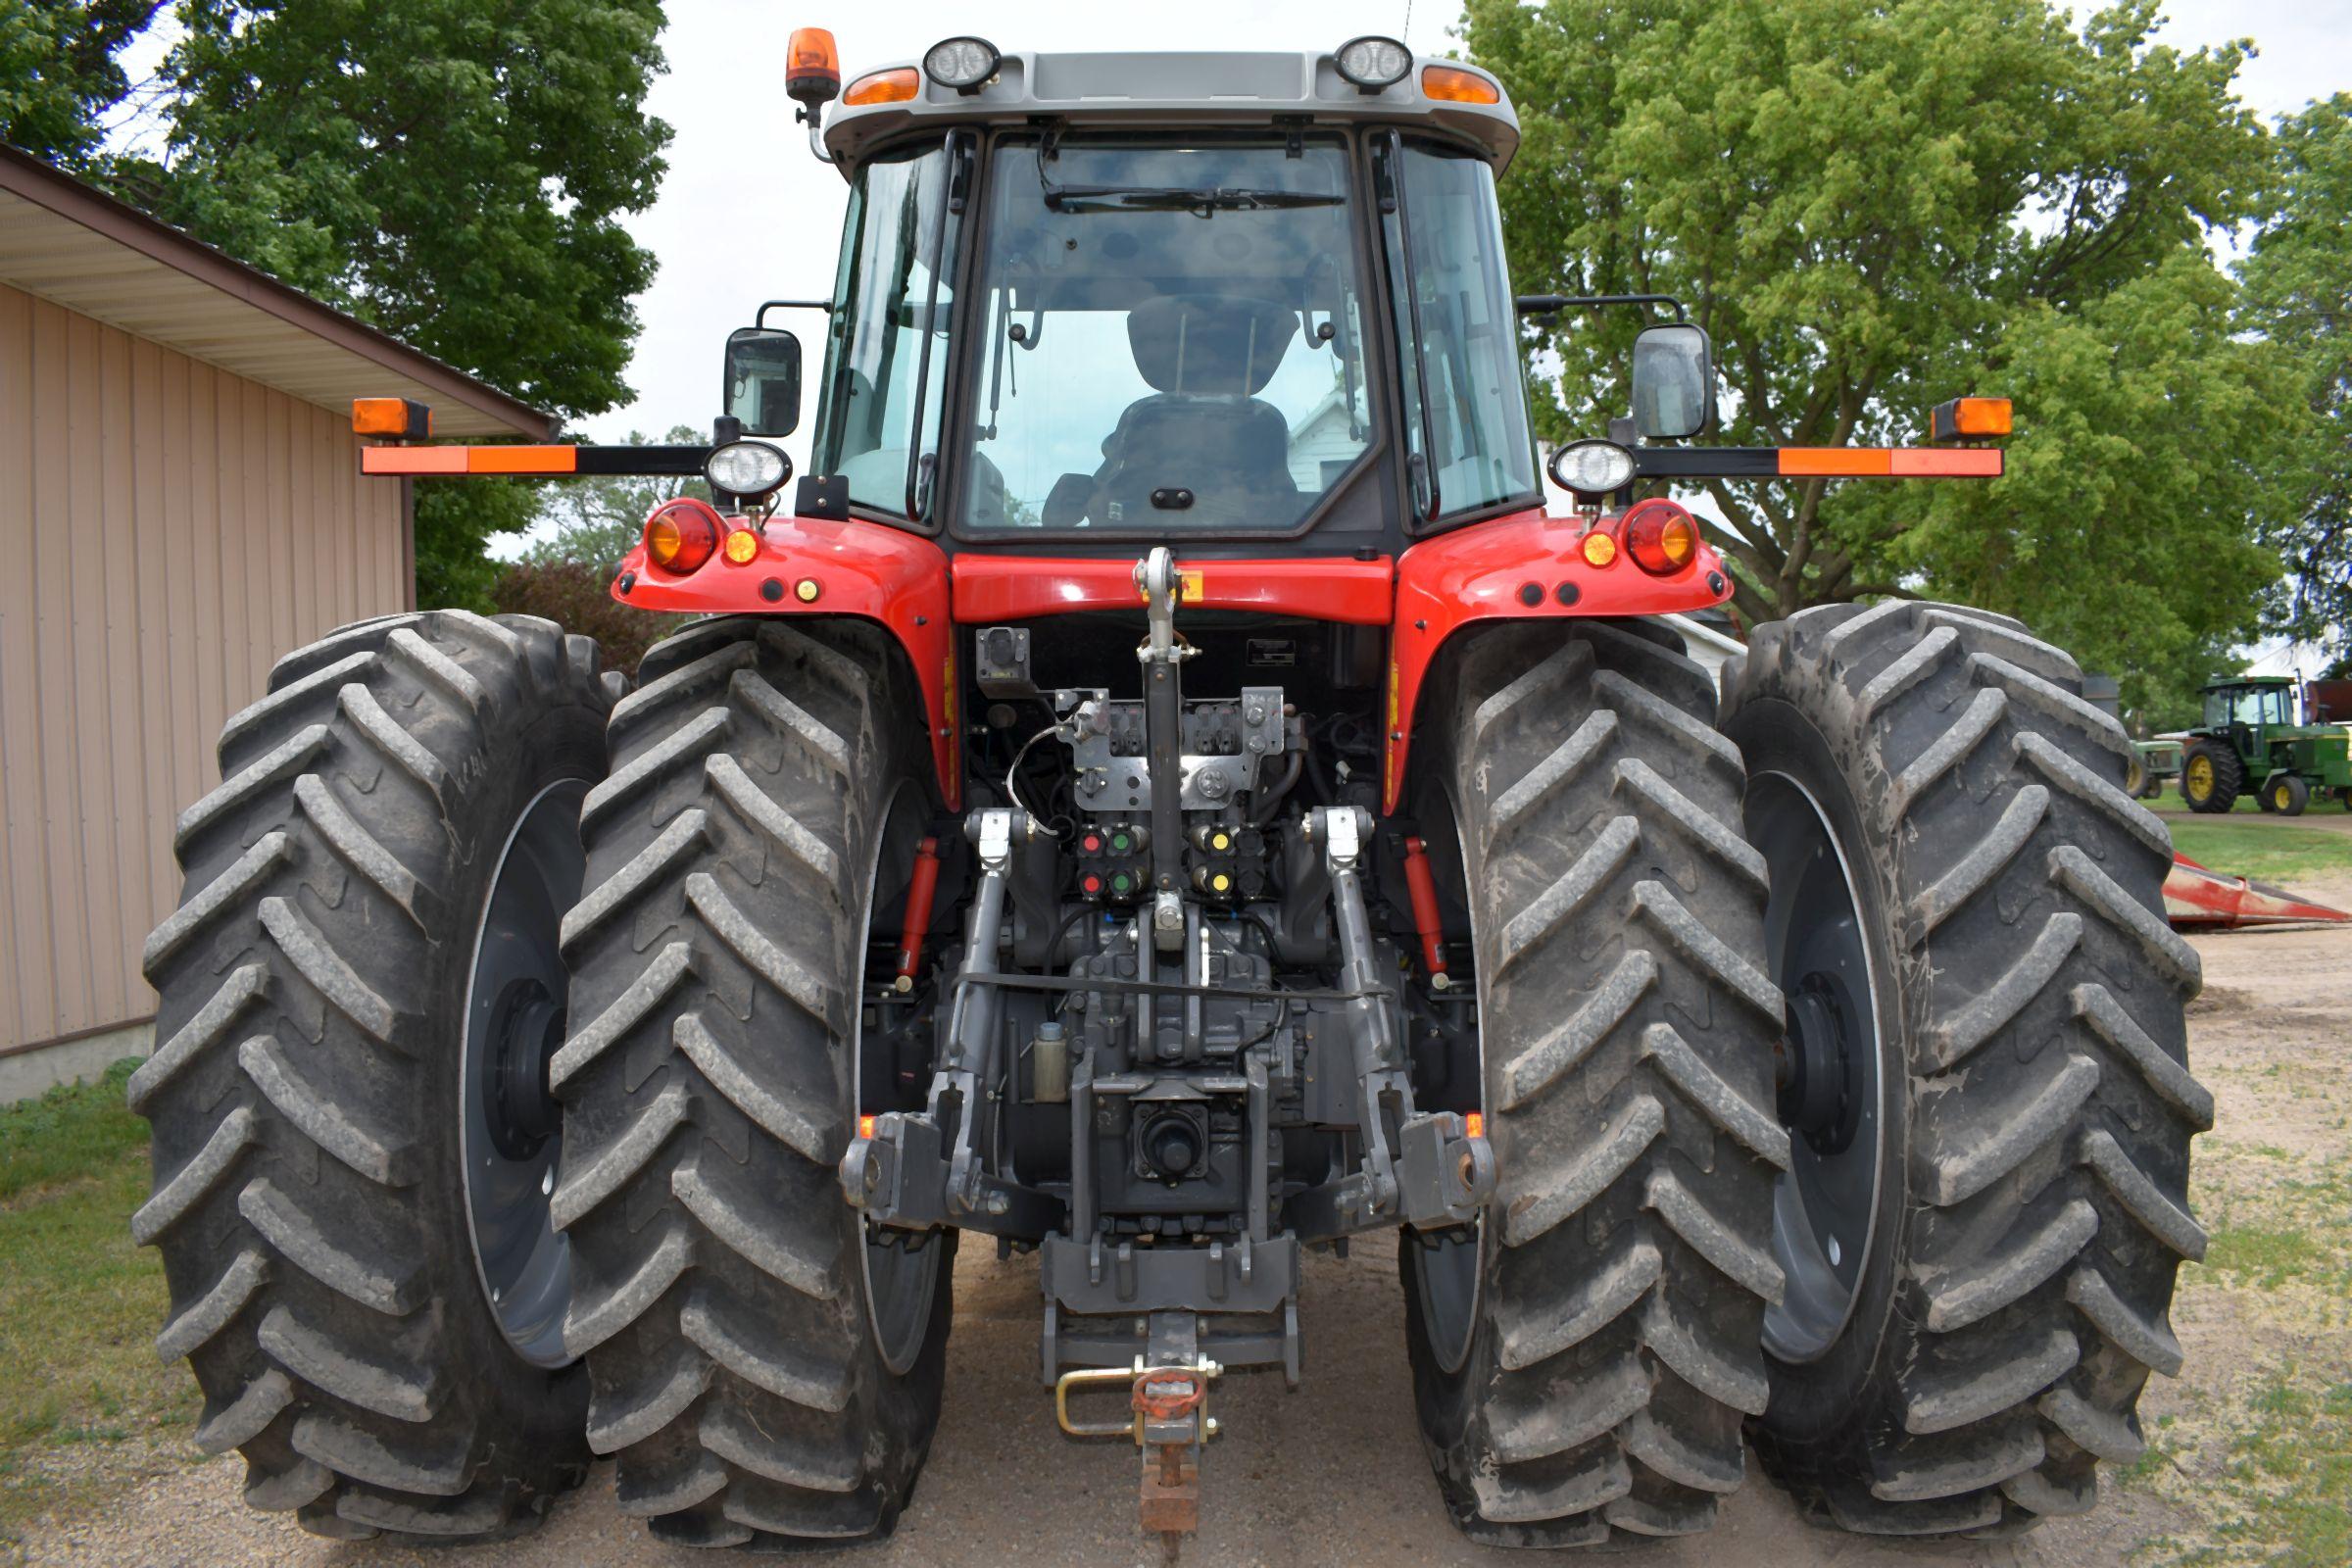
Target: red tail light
[
  {"x": 681, "y": 535},
  {"x": 1660, "y": 536}
]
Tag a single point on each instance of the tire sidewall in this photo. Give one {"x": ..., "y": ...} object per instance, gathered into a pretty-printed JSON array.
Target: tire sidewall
[
  {"x": 492, "y": 790},
  {"x": 1816, "y": 1400}
]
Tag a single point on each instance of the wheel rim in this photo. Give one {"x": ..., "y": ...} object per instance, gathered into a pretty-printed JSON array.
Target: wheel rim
[
  {"x": 1826, "y": 1205},
  {"x": 1449, "y": 1265},
  {"x": 2200, "y": 778},
  {"x": 901, "y": 1267},
  {"x": 510, "y": 1128}
]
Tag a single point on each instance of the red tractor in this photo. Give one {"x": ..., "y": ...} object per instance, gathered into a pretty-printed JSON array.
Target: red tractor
[{"x": 1167, "y": 795}]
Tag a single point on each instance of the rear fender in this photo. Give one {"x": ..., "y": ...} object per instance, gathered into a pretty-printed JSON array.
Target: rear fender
[
  {"x": 813, "y": 567},
  {"x": 1523, "y": 567}
]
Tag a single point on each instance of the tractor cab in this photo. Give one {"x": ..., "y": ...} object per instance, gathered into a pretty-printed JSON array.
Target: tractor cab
[{"x": 1203, "y": 298}]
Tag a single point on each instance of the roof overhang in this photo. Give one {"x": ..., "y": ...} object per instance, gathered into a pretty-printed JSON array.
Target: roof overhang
[
  {"x": 1175, "y": 88},
  {"x": 66, "y": 242}
]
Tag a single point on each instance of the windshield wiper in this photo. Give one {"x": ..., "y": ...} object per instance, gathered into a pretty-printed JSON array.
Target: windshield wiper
[{"x": 1200, "y": 202}]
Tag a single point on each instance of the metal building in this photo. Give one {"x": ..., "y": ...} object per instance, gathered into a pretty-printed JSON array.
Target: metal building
[{"x": 179, "y": 504}]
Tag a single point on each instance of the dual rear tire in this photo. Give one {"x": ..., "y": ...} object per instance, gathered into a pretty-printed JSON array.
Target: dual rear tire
[
  {"x": 388, "y": 1246},
  {"x": 1844, "y": 1100}
]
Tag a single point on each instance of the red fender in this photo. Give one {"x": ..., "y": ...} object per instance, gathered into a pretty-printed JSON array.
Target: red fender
[
  {"x": 813, "y": 567},
  {"x": 1525, "y": 566}
]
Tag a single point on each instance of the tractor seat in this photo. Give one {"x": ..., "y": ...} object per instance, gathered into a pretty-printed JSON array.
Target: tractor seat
[{"x": 1204, "y": 429}]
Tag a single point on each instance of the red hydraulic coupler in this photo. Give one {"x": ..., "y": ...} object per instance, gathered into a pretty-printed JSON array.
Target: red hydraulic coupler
[
  {"x": 920, "y": 889},
  {"x": 1423, "y": 886}
]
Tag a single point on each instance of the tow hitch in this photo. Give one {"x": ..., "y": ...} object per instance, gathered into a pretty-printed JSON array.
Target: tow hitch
[{"x": 1167, "y": 1404}]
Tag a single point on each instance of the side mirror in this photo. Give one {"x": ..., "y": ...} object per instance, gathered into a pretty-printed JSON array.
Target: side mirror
[
  {"x": 1674, "y": 382},
  {"x": 763, "y": 380}
]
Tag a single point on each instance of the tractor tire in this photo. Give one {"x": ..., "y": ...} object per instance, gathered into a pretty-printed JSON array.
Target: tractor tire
[
  {"x": 307, "y": 1096},
  {"x": 1582, "y": 1364},
  {"x": 2136, "y": 782},
  {"x": 2211, "y": 777},
  {"x": 2009, "y": 1265},
  {"x": 2286, "y": 795},
  {"x": 709, "y": 1091}
]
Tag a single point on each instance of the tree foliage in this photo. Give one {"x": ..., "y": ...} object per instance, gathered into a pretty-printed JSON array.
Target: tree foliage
[
  {"x": 452, "y": 172},
  {"x": 58, "y": 72},
  {"x": 1874, "y": 205},
  {"x": 595, "y": 521},
  {"x": 2298, "y": 281}
]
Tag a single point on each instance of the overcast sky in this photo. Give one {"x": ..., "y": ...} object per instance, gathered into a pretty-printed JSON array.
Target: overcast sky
[{"x": 746, "y": 215}]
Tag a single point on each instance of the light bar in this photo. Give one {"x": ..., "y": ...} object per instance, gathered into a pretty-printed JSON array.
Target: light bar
[
  {"x": 459, "y": 462},
  {"x": 1818, "y": 462}
]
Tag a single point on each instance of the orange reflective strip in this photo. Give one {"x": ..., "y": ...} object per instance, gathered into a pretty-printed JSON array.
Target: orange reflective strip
[
  {"x": 1851, "y": 462},
  {"x": 1891, "y": 463},
  {"x": 522, "y": 460},
  {"x": 413, "y": 460},
  {"x": 1960, "y": 462}
]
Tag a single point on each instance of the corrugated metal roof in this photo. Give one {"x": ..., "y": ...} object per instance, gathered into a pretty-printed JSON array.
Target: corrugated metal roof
[{"x": 64, "y": 241}]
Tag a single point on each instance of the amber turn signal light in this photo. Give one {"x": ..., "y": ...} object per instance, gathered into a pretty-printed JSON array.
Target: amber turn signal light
[
  {"x": 1453, "y": 85},
  {"x": 1969, "y": 419},
  {"x": 681, "y": 535},
  {"x": 882, "y": 87},
  {"x": 394, "y": 418},
  {"x": 1660, "y": 536}
]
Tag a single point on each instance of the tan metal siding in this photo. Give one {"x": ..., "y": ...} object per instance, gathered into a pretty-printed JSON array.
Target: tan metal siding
[{"x": 171, "y": 530}]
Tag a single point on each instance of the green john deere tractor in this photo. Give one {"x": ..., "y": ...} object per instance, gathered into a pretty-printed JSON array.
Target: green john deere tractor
[{"x": 2253, "y": 738}]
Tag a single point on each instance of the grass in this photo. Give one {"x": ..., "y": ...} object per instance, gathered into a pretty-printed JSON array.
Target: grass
[
  {"x": 2266, "y": 849},
  {"x": 80, "y": 1306},
  {"x": 2265, "y": 1461},
  {"x": 2250, "y": 842}
]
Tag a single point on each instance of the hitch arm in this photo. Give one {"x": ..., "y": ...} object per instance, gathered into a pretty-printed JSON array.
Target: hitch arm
[
  {"x": 924, "y": 1169},
  {"x": 1436, "y": 1173}
]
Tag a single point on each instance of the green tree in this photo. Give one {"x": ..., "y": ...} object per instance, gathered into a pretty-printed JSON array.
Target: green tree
[
  {"x": 2298, "y": 281},
  {"x": 57, "y": 72},
  {"x": 1873, "y": 205},
  {"x": 452, "y": 172},
  {"x": 595, "y": 521}
]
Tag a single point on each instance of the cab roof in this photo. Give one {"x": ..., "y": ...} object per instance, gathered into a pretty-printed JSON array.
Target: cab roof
[{"x": 1139, "y": 89}]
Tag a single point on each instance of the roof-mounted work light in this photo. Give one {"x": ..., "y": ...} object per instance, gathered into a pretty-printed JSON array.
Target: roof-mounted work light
[
  {"x": 963, "y": 64},
  {"x": 1372, "y": 63}
]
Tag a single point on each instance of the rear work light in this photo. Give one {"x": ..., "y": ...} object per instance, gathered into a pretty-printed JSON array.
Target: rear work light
[
  {"x": 1660, "y": 536},
  {"x": 1453, "y": 85},
  {"x": 1371, "y": 63},
  {"x": 966, "y": 65},
  {"x": 882, "y": 87},
  {"x": 681, "y": 535}
]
